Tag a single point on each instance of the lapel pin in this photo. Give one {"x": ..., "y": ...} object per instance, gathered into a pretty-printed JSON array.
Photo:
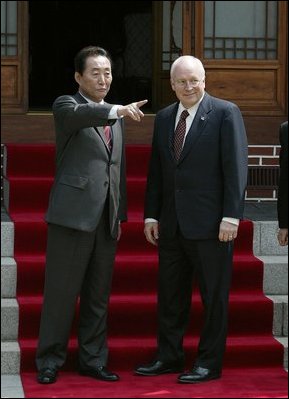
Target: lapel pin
[{"x": 202, "y": 118}]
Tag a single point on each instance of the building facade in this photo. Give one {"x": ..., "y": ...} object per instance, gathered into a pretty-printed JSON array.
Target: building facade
[{"x": 243, "y": 45}]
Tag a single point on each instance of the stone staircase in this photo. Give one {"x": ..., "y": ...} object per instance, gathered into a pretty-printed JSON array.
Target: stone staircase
[
  {"x": 11, "y": 386},
  {"x": 266, "y": 248},
  {"x": 275, "y": 281},
  {"x": 10, "y": 353}
]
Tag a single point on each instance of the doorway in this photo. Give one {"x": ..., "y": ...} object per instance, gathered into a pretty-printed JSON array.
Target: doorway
[{"x": 59, "y": 29}]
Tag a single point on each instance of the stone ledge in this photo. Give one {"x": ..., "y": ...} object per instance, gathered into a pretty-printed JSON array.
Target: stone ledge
[
  {"x": 284, "y": 342},
  {"x": 8, "y": 277},
  {"x": 7, "y": 238},
  {"x": 10, "y": 358},
  {"x": 265, "y": 239},
  {"x": 275, "y": 281},
  {"x": 11, "y": 386},
  {"x": 280, "y": 315},
  {"x": 9, "y": 319}
]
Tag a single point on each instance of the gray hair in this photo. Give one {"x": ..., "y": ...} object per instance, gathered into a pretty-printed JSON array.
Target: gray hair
[{"x": 187, "y": 59}]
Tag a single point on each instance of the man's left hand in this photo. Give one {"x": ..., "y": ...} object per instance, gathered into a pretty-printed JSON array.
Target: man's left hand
[{"x": 227, "y": 231}]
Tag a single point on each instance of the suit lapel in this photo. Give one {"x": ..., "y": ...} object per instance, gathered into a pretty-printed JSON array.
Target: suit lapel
[
  {"x": 116, "y": 134},
  {"x": 171, "y": 134},
  {"x": 99, "y": 129},
  {"x": 79, "y": 98}
]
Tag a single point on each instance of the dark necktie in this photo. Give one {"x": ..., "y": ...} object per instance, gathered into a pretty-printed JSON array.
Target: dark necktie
[
  {"x": 107, "y": 133},
  {"x": 180, "y": 134}
]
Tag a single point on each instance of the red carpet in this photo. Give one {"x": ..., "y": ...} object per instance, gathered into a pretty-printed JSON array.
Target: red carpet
[{"x": 253, "y": 360}]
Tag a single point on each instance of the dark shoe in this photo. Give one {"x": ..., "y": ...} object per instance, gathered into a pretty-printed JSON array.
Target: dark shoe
[
  {"x": 100, "y": 373},
  {"x": 47, "y": 376},
  {"x": 198, "y": 374},
  {"x": 158, "y": 367}
]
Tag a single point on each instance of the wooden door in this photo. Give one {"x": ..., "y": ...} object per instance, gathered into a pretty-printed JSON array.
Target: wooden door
[
  {"x": 250, "y": 71},
  {"x": 14, "y": 57}
]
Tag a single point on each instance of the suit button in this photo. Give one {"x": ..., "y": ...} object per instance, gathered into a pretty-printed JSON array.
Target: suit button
[{"x": 105, "y": 183}]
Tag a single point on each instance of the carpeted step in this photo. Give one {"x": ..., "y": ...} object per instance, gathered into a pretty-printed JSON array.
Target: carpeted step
[
  {"x": 32, "y": 231},
  {"x": 37, "y": 160},
  {"x": 126, "y": 353},
  {"x": 242, "y": 382},
  {"x": 31, "y": 194},
  {"x": 126, "y": 319},
  {"x": 136, "y": 273},
  {"x": 30, "y": 160}
]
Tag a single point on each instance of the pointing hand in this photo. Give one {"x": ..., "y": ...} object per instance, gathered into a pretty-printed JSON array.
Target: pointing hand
[{"x": 132, "y": 110}]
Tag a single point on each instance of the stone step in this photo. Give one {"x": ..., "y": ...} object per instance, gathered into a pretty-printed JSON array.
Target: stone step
[
  {"x": 280, "y": 315},
  {"x": 7, "y": 235},
  {"x": 10, "y": 358},
  {"x": 275, "y": 280},
  {"x": 265, "y": 239},
  {"x": 8, "y": 277},
  {"x": 11, "y": 387},
  {"x": 284, "y": 342},
  {"x": 9, "y": 319}
]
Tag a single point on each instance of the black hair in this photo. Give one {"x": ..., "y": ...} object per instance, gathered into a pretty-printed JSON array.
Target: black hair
[{"x": 89, "y": 51}]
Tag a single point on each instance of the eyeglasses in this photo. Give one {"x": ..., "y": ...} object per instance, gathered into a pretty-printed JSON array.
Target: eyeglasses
[{"x": 184, "y": 83}]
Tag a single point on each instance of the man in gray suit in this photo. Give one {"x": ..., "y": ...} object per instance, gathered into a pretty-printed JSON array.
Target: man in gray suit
[
  {"x": 87, "y": 204},
  {"x": 194, "y": 201}
]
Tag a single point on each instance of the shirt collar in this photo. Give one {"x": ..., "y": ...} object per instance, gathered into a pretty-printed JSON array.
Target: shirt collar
[
  {"x": 191, "y": 110},
  {"x": 90, "y": 101}
]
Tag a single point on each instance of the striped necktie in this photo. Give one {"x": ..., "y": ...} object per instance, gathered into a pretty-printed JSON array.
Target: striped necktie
[
  {"x": 180, "y": 134},
  {"x": 108, "y": 137}
]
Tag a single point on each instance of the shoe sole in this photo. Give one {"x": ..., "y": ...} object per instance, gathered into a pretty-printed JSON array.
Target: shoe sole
[
  {"x": 167, "y": 371},
  {"x": 200, "y": 381},
  {"x": 87, "y": 374},
  {"x": 47, "y": 382}
]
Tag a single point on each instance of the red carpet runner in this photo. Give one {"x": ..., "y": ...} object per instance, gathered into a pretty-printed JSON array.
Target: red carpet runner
[{"x": 253, "y": 361}]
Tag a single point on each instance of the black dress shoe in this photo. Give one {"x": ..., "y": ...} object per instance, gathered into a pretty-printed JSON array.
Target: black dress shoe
[
  {"x": 158, "y": 367},
  {"x": 47, "y": 375},
  {"x": 198, "y": 374},
  {"x": 100, "y": 373}
]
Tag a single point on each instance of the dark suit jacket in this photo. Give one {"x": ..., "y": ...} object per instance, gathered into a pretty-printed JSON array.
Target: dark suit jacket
[
  {"x": 86, "y": 171},
  {"x": 282, "y": 204},
  {"x": 209, "y": 181}
]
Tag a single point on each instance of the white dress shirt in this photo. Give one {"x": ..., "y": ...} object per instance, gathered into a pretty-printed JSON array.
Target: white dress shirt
[{"x": 112, "y": 113}]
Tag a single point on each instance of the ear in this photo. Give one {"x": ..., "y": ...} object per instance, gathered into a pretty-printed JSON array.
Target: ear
[
  {"x": 77, "y": 77},
  {"x": 173, "y": 85}
]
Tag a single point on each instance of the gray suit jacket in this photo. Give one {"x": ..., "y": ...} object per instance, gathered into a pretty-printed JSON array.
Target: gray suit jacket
[{"x": 86, "y": 173}]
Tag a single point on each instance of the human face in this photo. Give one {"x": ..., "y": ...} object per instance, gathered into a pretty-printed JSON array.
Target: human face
[
  {"x": 96, "y": 79},
  {"x": 188, "y": 82}
]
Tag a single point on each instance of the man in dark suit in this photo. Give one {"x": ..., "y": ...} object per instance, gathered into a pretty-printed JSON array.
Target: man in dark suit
[
  {"x": 87, "y": 204},
  {"x": 282, "y": 203},
  {"x": 194, "y": 201}
]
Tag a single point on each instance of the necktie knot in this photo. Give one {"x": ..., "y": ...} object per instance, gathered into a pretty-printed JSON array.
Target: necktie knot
[{"x": 184, "y": 115}]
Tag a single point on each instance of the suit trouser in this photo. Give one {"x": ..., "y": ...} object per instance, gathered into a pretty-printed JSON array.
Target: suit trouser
[
  {"x": 180, "y": 260},
  {"x": 77, "y": 264}
]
